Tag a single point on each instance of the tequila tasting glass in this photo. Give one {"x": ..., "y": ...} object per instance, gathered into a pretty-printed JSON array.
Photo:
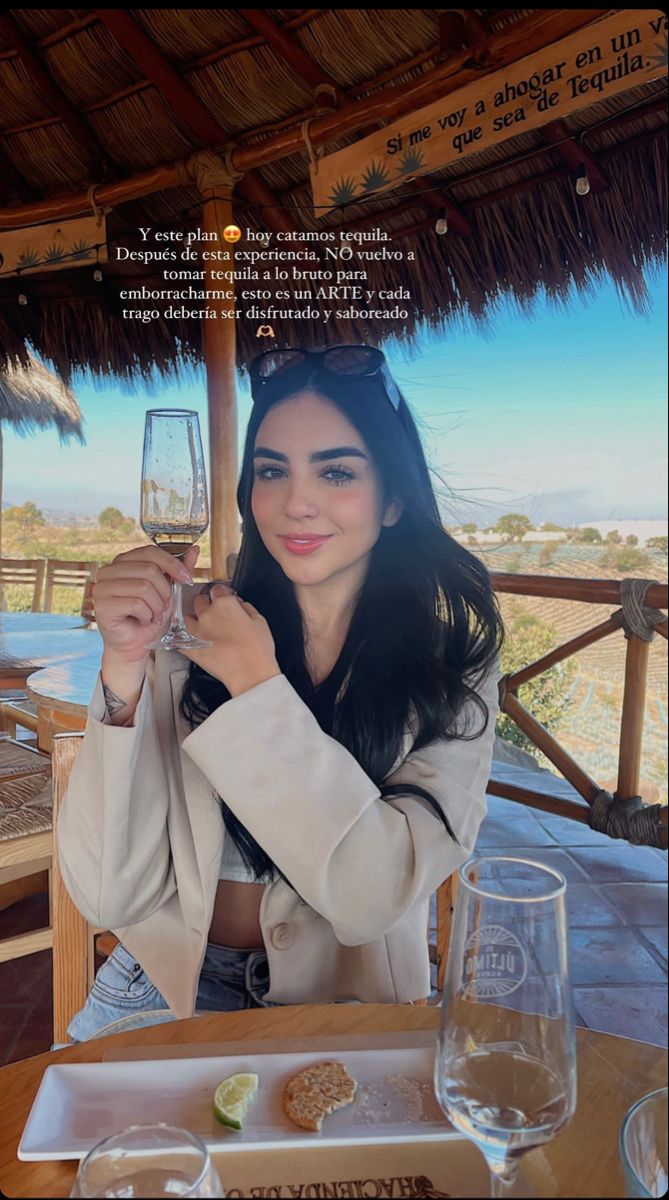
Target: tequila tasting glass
[
  {"x": 174, "y": 510},
  {"x": 505, "y": 1067},
  {"x": 148, "y": 1161}
]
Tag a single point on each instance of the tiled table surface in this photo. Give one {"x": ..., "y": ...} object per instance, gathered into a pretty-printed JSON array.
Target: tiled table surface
[{"x": 617, "y": 900}]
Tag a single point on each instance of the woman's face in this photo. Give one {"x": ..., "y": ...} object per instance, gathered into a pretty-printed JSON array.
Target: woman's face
[{"x": 317, "y": 497}]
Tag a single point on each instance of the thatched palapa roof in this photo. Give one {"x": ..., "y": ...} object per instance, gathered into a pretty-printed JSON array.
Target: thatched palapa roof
[
  {"x": 92, "y": 97},
  {"x": 33, "y": 398}
]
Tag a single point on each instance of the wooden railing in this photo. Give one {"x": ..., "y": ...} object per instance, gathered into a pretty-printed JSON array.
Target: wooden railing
[{"x": 591, "y": 591}]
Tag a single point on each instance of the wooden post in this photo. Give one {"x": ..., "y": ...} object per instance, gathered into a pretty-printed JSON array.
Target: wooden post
[
  {"x": 631, "y": 722},
  {"x": 73, "y": 948},
  {"x": 215, "y": 184}
]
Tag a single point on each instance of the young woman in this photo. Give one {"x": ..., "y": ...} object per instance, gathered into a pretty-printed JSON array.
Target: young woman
[{"x": 266, "y": 822}]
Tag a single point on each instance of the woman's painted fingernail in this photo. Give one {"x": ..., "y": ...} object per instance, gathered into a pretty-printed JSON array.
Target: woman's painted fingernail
[{"x": 185, "y": 576}]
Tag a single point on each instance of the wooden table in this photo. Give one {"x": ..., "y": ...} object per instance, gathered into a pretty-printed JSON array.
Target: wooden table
[
  {"x": 583, "y": 1161},
  {"x": 29, "y": 640}
]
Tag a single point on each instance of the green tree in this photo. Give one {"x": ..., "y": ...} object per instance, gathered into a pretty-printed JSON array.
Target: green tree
[
  {"x": 548, "y": 527},
  {"x": 513, "y": 526},
  {"x": 631, "y": 540},
  {"x": 470, "y": 527},
  {"x": 110, "y": 518},
  {"x": 589, "y": 535},
  {"x": 546, "y": 697},
  {"x": 613, "y": 538},
  {"x": 25, "y": 516},
  {"x": 657, "y": 543},
  {"x": 629, "y": 561}
]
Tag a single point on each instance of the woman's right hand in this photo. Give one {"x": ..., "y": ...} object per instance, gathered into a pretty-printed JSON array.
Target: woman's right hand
[{"x": 133, "y": 597}]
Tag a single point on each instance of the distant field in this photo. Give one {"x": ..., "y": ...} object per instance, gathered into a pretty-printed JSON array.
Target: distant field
[{"x": 591, "y": 730}]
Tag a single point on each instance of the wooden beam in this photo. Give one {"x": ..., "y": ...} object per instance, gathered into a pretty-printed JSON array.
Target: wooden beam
[
  {"x": 558, "y": 134},
  {"x": 525, "y": 37},
  {"x": 178, "y": 96},
  {"x": 182, "y": 100},
  {"x": 541, "y": 800},
  {"x": 452, "y": 33},
  {"x": 566, "y": 650},
  {"x": 555, "y": 753},
  {"x": 219, "y": 339},
  {"x": 289, "y": 51},
  {"x": 58, "y": 35},
  {"x": 299, "y": 61},
  {"x": 534, "y": 33},
  {"x": 304, "y": 17},
  {"x": 258, "y": 194},
  {"x": 51, "y": 93},
  {"x": 167, "y": 177},
  {"x": 631, "y": 720},
  {"x": 589, "y": 591}
]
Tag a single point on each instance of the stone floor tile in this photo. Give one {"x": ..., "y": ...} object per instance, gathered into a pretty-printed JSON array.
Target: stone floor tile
[
  {"x": 572, "y": 833},
  {"x": 608, "y": 956},
  {"x": 554, "y": 857},
  {"x": 620, "y": 863},
  {"x": 657, "y": 936},
  {"x": 512, "y": 832},
  {"x": 633, "y": 1011},
  {"x": 638, "y": 903},
  {"x": 588, "y": 906}
]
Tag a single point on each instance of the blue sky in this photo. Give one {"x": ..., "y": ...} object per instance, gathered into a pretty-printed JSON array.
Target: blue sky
[{"x": 561, "y": 416}]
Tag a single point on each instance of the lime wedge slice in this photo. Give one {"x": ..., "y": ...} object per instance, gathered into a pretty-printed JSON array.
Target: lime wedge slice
[{"x": 233, "y": 1098}]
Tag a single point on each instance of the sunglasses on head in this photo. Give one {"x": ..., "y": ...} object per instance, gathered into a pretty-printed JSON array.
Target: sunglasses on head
[{"x": 347, "y": 362}]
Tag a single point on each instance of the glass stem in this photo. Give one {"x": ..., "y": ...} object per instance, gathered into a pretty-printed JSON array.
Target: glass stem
[
  {"x": 502, "y": 1183},
  {"x": 177, "y": 622}
]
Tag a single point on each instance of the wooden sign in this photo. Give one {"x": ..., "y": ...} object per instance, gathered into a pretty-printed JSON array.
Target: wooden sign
[
  {"x": 54, "y": 246},
  {"x": 598, "y": 61}
]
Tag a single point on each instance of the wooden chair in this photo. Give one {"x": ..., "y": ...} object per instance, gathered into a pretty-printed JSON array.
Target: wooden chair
[
  {"x": 73, "y": 937},
  {"x": 26, "y": 571},
  {"x": 446, "y": 894},
  {"x": 62, "y": 573},
  {"x": 25, "y": 839},
  {"x": 18, "y": 712},
  {"x": 88, "y": 602}
]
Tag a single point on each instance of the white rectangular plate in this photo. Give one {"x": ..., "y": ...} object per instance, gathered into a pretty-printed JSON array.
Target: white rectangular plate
[{"x": 78, "y": 1104}]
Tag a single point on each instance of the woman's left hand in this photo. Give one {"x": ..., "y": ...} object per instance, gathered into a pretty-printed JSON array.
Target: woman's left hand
[{"x": 242, "y": 653}]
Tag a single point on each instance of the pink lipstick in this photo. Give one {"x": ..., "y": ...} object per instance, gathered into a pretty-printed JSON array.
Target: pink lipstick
[{"x": 304, "y": 545}]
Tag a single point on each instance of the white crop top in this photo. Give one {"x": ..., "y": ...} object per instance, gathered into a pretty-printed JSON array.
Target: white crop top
[{"x": 233, "y": 865}]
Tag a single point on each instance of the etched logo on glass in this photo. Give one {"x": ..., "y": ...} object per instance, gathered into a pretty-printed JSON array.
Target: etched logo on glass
[{"x": 495, "y": 963}]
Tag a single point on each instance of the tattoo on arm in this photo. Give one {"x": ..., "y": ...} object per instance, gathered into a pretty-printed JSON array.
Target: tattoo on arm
[{"x": 114, "y": 703}]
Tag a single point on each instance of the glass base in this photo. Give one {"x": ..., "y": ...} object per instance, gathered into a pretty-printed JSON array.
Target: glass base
[{"x": 178, "y": 640}]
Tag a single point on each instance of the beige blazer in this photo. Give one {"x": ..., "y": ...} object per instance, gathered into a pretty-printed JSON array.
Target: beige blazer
[{"x": 140, "y": 837}]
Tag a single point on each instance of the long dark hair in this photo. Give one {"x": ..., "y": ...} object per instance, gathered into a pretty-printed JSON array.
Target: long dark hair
[{"x": 425, "y": 619}]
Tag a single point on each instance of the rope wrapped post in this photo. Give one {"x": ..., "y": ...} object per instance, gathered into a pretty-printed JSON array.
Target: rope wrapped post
[
  {"x": 629, "y": 818},
  {"x": 215, "y": 179},
  {"x": 638, "y": 624}
]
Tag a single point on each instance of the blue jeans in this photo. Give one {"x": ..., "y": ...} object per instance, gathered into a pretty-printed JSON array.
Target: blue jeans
[{"x": 122, "y": 996}]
